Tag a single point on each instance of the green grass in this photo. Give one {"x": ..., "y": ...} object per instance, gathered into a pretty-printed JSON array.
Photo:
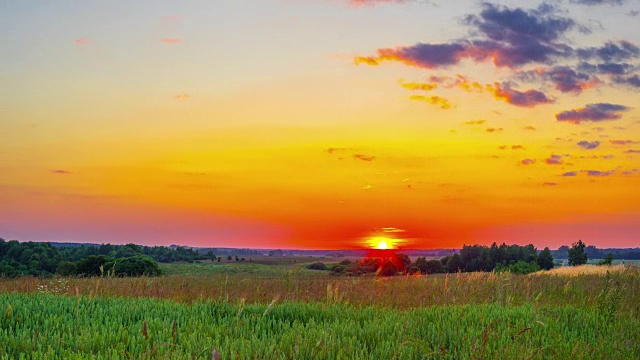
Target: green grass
[{"x": 45, "y": 326}]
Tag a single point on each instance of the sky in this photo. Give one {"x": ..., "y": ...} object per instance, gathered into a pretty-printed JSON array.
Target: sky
[{"x": 327, "y": 124}]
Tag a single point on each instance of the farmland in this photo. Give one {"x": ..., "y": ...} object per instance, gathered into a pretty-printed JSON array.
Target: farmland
[{"x": 283, "y": 311}]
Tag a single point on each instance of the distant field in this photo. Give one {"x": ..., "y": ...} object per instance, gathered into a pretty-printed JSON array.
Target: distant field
[{"x": 249, "y": 310}]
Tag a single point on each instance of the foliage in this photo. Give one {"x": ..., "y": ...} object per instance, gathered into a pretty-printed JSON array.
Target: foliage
[
  {"x": 606, "y": 261},
  {"x": 133, "y": 266},
  {"x": 545, "y": 260},
  {"x": 317, "y": 266},
  {"x": 521, "y": 267},
  {"x": 577, "y": 255},
  {"x": 455, "y": 263},
  {"x": 388, "y": 268}
]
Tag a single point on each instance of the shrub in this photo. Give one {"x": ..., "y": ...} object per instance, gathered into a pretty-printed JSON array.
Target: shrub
[{"x": 317, "y": 266}]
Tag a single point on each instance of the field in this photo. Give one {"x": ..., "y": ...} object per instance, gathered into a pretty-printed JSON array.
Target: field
[{"x": 281, "y": 311}]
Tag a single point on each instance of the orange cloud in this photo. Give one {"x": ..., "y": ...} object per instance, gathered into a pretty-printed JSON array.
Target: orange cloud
[
  {"x": 83, "y": 41},
  {"x": 434, "y": 100},
  {"x": 419, "y": 86},
  {"x": 171, "y": 40},
  {"x": 529, "y": 98},
  {"x": 183, "y": 97}
]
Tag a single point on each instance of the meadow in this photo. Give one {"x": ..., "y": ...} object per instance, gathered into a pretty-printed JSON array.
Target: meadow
[{"x": 283, "y": 311}]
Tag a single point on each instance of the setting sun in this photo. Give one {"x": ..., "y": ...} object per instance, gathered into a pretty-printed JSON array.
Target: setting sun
[{"x": 382, "y": 245}]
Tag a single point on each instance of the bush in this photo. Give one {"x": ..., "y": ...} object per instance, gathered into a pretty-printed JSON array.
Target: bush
[
  {"x": 133, "y": 266},
  {"x": 317, "y": 266}
]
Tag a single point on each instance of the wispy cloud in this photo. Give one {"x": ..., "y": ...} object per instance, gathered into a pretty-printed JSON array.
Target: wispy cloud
[
  {"x": 589, "y": 145},
  {"x": 361, "y": 3},
  {"x": 183, "y": 97},
  {"x": 598, "y": 172},
  {"x": 61, "y": 172},
  {"x": 434, "y": 100},
  {"x": 623, "y": 142},
  {"x": 83, "y": 41},
  {"x": 598, "y": 2},
  {"x": 475, "y": 122},
  {"x": 570, "y": 173},
  {"x": 418, "y": 86},
  {"x": 593, "y": 112},
  {"x": 554, "y": 160},
  {"x": 171, "y": 41},
  {"x": 529, "y": 98},
  {"x": 364, "y": 157},
  {"x": 528, "y": 161}
]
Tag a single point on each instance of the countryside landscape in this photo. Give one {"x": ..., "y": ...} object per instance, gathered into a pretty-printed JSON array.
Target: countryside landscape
[{"x": 320, "y": 179}]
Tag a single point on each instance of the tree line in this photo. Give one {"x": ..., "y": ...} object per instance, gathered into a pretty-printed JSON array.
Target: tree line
[
  {"x": 512, "y": 258},
  {"x": 45, "y": 259}
]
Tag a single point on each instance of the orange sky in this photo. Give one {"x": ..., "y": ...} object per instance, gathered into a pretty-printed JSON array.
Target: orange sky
[{"x": 320, "y": 124}]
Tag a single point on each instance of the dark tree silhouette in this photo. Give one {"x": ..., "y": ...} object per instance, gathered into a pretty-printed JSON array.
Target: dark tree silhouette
[
  {"x": 577, "y": 255},
  {"x": 545, "y": 260}
]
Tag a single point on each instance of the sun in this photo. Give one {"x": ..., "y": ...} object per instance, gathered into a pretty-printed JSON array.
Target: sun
[{"x": 382, "y": 245}]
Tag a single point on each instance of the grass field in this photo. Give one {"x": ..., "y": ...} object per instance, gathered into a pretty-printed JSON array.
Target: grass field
[{"x": 260, "y": 311}]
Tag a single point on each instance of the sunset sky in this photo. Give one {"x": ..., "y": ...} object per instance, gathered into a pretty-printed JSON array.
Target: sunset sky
[{"x": 320, "y": 123}]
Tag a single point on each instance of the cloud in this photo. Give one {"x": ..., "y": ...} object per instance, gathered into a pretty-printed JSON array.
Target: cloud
[
  {"x": 392, "y": 230},
  {"x": 83, "y": 41},
  {"x": 475, "y": 122},
  {"x": 565, "y": 79},
  {"x": 512, "y": 147},
  {"x": 428, "y": 56},
  {"x": 182, "y": 97},
  {"x": 171, "y": 40},
  {"x": 529, "y": 127},
  {"x": 570, "y": 173},
  {"x": 491, "y": 129},
  {"x": 507, "y": 37},
  {"x": 593, "y": 112},
  {"x": 633, "y": 81},
  {"x": 434, "y": 100},
  {"x": 548, "y": 183},
  {"x": 419, "y": 86},
  {"x": 554, "y": 160},
  {"x": 589, "y": 145},
  {"x": 364, "y": 157},
  {"x": 631, "y": 151},
  {"x": 362, "y": 3},
  {"x": 61, "y": 172},
  {"x": 332, "y": 150},
  {"x": 598, "y": 2},
  {"x": 528, "y": 161},
  {"x": 611, "y": 51},
  {"x": 529, "y": 98},
  {"x": 598, "y": 173},
  {"x": 633, "y": 13}
]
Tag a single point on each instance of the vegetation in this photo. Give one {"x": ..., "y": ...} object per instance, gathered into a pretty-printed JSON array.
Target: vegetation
[
  {"x": 301, "y": 313},
  {"x": 44, "y": 259},
  {"x": 150, "y": 329},
  {"x": 577, "y": 255},
  {"x": 606, "y": 261}
]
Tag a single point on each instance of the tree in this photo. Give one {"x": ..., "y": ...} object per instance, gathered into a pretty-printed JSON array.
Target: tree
[
  {"x": 434, "y": 267},
  {"x": 66, "y": 268},
  {"x": 421, "y": 263},
  {"x": 455, "y": 263},
  {"x": 402, "y": 261},
  {"x": 577, "y": 256},
  {"x": 545, "y": 260},
  {"x": 606, "y": 261},
  {"x": 388, "y": 268}
]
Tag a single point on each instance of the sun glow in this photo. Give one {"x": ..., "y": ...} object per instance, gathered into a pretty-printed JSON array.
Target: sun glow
[
  {"x": 382, "y": 245},
  {"x": 381, "y": 242}
]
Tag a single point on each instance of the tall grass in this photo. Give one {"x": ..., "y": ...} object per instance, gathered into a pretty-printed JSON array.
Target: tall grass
[
  {"x": 47, "y": 326},
  {"x": 397, "y": 292}
]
